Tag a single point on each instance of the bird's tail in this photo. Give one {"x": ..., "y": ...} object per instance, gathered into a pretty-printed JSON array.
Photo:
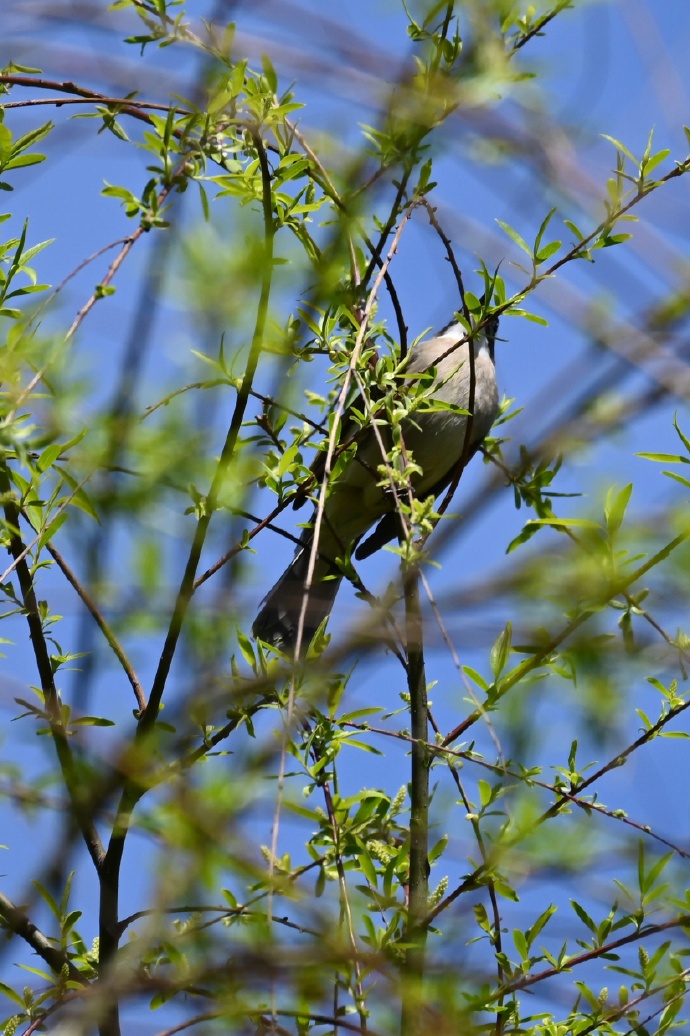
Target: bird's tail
[{"x": 278, "y": 620}]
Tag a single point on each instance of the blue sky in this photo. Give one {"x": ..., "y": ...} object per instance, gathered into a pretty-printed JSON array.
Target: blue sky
[{"x": 605, "y": 68}]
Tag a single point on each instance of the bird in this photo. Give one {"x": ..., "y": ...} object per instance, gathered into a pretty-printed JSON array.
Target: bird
[{"x": 356, "y": 500}]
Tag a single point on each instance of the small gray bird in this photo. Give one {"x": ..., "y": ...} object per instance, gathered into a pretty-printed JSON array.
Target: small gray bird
[{"x": 435, "y": 438}]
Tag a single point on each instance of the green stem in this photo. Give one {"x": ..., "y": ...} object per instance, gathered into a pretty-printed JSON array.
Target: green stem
[
  {"x": 416, "y": 930},
  {"x": 133, "y": 787},
  {"x": 80, "y": 798}
]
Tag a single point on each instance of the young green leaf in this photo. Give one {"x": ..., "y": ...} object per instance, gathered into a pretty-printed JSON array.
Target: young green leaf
[{"x": 514, "y": 236}]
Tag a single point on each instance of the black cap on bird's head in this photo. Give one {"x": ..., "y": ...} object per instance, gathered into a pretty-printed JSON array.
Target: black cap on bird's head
[
  {"x": 488, "y": 327},
  {"x": 490, "y": 330}
]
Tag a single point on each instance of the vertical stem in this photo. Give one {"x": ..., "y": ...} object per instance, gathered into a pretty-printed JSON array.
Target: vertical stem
[
  {"x": 133, "y": 789},
  {"x": 78, "y": 794},
  {"x": 415, "y": 934},
  {"x": 109, "y": 912}
]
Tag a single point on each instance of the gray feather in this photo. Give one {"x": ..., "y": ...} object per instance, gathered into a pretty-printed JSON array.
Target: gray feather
[{"x": 435, "y": 438}]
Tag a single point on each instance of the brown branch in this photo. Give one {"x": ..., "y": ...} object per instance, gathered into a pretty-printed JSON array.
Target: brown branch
[
  {"x": 210, "y": 1016},
  {"x": 683, "y": 921},
  {"x": 324, "y": 1019},
  {"x": 19, "y": 923},
  {"x": 450, "y": 254},
  {"x": 223, "y": 913},
  {"x": 536, "y": 30},
  {"x": 640, "y": 1025},
  {"x": 130, "y": 107},
  {"x": 120, "y": 102},
  {"x": 117, "y": 262}
]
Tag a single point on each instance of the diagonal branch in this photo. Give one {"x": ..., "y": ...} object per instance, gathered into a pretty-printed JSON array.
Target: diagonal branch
[
  {"x": 19, "y": 923},
  {"x": 100, "y": 621},
  {"x": 80, "y": 797},
  {"x": 133, "y": 788}
]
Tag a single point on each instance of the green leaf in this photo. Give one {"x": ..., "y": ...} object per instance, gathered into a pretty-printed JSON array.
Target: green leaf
[
  {"x": 540, "y": 923},
  {"x": 505, "y": 890},
  {"x": 24, "y": 160},
  {"x": 664, "y": 458},
  {"x": 621, "y": 147},
  {"x": 683, "y": 438},
  {"x": 515, "y": 312},
  {"x": 70, "y": 921},
  {"x": 475, "y": 677},
  {"x": 615, "y": 507},
  {"x": 583, "y": 915},
  {"x": 547, "y": 251},
  {"x": 51, "y": 528},
  {"x": 485, "y": 792},
  {"x": 5, "y": 143},
  {"x": 28, "y": 255},
  {"x": 203, "y": 198},
  {"x": 649, "y": 165},
  {"x": 520, "y": 944},
  {"x": 79, "y": 497},
  {"x": 668, "y": 1015},
  {"x": 11, "y": 995},
  {"x": 482, "y": 917},
  {"x": 247, "y": 649},
  {"x": 608, "y": 240},
  {"x": 49, "y": 456},
  {"x": 677, "y": 478},
  {"x": 542, "y": 229},
  {"x": 269, "y": 73},
  {"x": 574, "y": 229},
  {"x": 645, "y": 719},
  {"x": 530, "y": 530},
  {"x": 367, "y": 867},
  {"x": 33, "y": 136},
  {"x": 45, "y": 975},
  {"x": 655, "y": 871},
  {"x": 230, "y": 898},
  {"x": 48, "y": 898},
  {"x": 500, "y": 652},
  {"x": 514, "y": 236},
  {"x": 92, "y": 721},
  {"x": 438, "y": 849},
  {"x": 584, "y": 523}
]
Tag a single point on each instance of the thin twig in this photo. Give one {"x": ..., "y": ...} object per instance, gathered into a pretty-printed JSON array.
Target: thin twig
[
  {"x": 339, "y": 410},
  {"x": 100, "y": 621},
  {"x": 130, "y": 107},
  {"x": 458, "y": 665},
  {"x": 563, "y": 795},
  {"x": 618, "y": 587}
]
